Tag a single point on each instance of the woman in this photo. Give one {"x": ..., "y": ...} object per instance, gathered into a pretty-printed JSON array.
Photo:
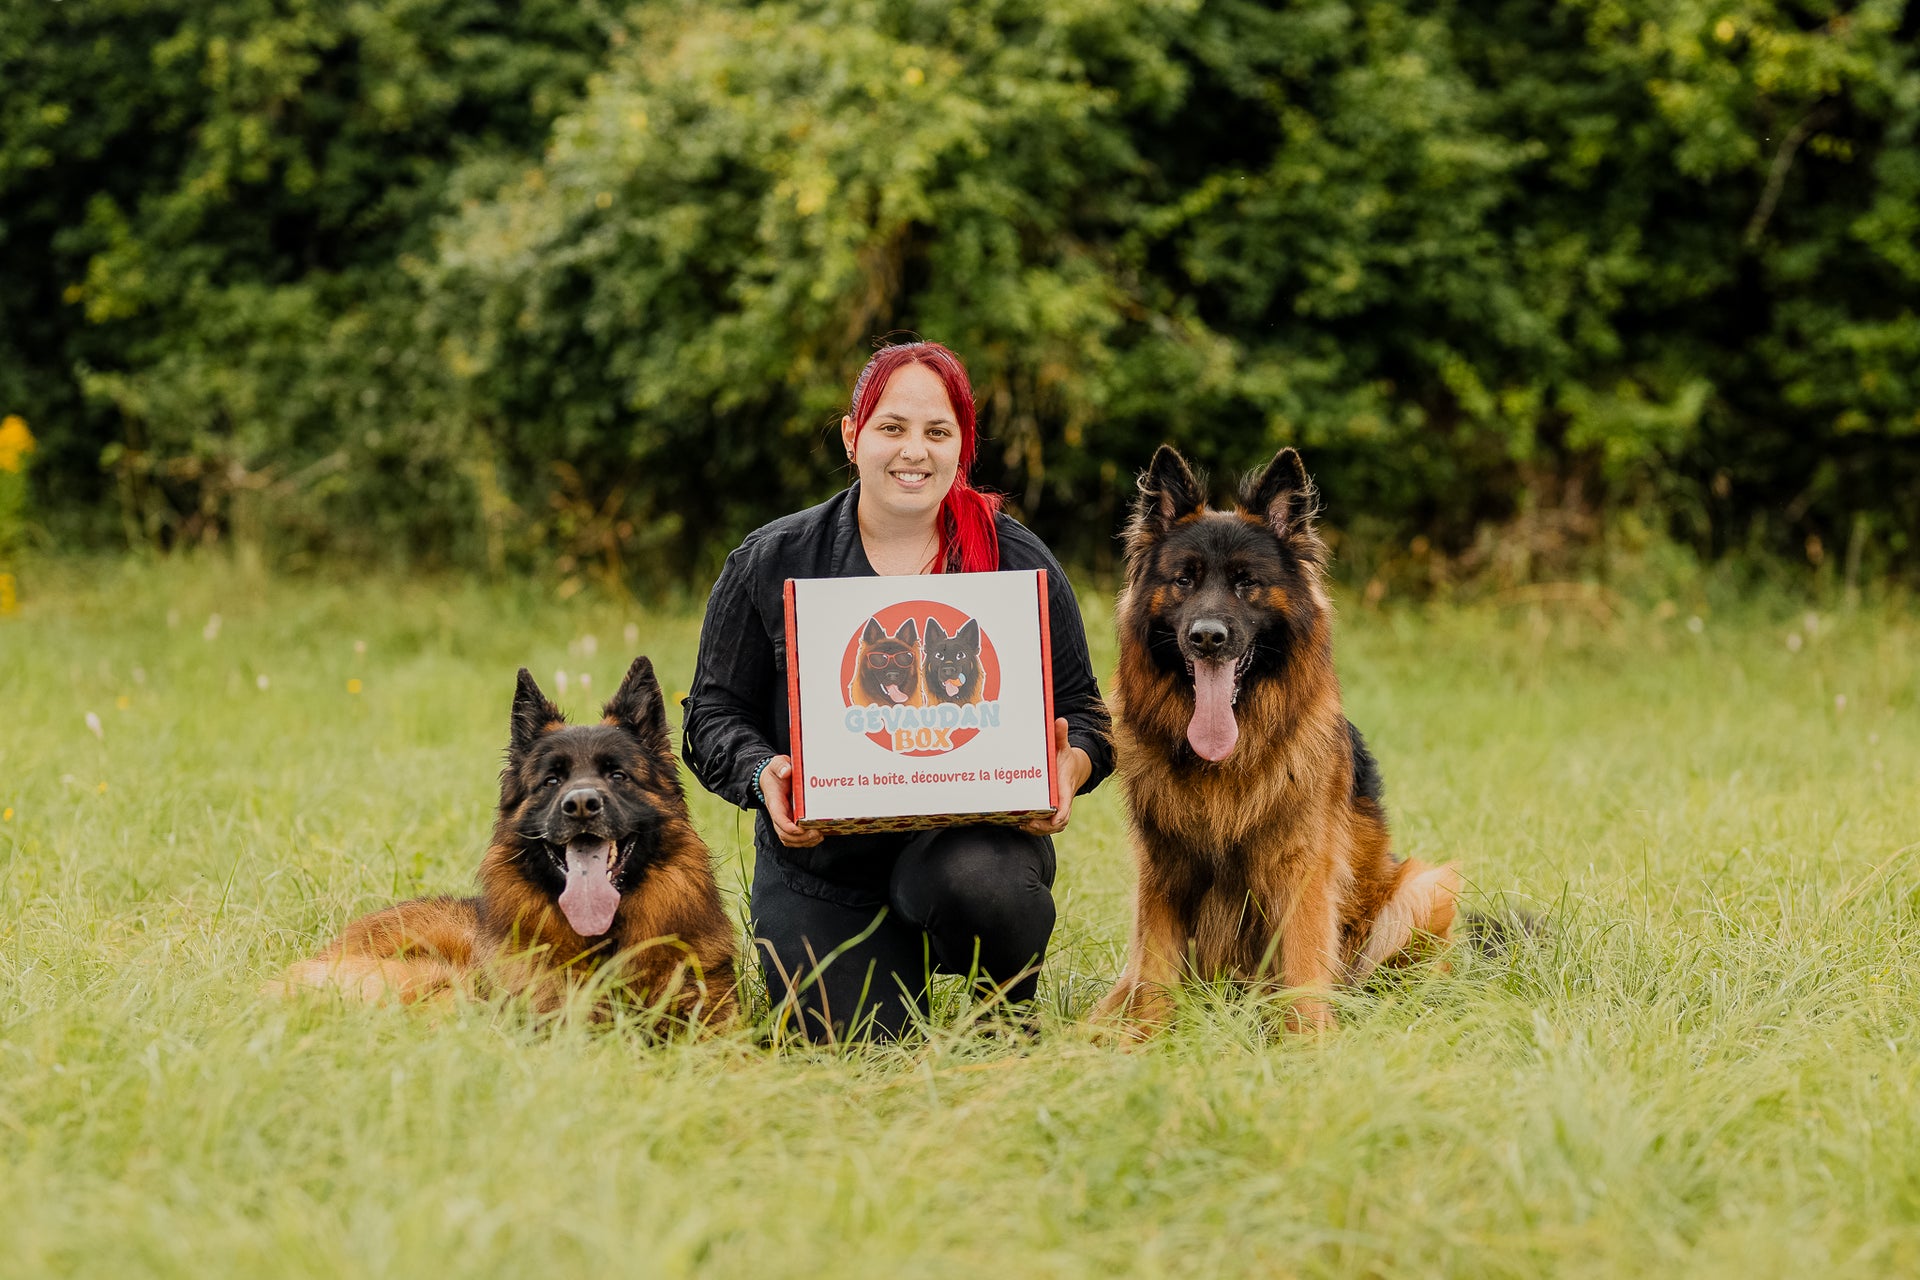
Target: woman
[{"x": 848, "y": 926}]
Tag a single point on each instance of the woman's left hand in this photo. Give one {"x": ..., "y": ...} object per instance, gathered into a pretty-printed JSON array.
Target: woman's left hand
[{"x": 1073, "y": 767}]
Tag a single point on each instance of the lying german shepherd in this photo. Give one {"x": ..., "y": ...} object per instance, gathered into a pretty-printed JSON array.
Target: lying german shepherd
[
  {"x": 1258, "y": 836},
  {"x": 594, "y": 866}
]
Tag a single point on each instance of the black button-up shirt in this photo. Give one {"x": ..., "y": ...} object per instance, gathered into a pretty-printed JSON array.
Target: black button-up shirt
[{"x": 736, "y": 713}]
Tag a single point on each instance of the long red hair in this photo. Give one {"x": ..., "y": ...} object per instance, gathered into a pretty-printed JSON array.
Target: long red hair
[{"x": 968, "y": 540}]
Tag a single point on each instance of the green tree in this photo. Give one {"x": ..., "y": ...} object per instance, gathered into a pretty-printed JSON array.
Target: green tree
[
  {"x": 390, "y": 274},
  {"x": 212, "y": 208}
]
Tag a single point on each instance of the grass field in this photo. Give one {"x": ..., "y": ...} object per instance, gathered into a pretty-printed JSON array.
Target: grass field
[{"x": 1709, "y": 1068}]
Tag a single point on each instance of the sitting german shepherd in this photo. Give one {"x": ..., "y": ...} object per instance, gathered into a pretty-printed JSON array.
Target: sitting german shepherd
[
  {"x": 1258, "y": 836},
  {"x": 594, "y": 865}
]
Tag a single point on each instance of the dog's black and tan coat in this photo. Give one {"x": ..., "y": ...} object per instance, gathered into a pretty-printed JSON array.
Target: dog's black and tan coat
[
  {"x": 1259, "y": 841},
  {"x": 594, "y": 871}
]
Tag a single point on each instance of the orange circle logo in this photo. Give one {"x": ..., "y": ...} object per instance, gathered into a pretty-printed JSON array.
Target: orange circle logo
[{"x": 922, "y": 671}]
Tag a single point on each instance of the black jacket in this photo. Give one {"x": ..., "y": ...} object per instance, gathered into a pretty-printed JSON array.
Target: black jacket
[{"x": 736, "y": 713}]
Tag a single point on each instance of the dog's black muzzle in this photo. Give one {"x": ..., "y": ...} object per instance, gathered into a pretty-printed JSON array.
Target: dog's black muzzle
[
  {"x": 579, "y": 812},
  {"x": 1207, "y": 639},
  {"x": 1214, "y": 637}
]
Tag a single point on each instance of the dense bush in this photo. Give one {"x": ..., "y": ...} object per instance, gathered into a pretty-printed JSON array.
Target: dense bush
[
  {"x": 212, "y": 214},
  {"x": 1519, "y": 264}
]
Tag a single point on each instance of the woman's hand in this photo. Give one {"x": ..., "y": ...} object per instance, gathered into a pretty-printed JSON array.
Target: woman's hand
[
  {"x": 776, "y": 784},
  {"x": 1073, "y": 767}
]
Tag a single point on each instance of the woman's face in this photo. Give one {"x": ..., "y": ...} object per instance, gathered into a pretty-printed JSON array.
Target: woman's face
[{"x": 909, "y": 450}]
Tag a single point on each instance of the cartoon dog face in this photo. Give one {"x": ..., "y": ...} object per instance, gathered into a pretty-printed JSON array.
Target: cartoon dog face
[
  {"x": 887, "y": 668},
  {"x": 952, "y": 666}
]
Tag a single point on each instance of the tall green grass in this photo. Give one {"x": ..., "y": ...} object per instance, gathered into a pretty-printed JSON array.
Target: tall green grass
[{"x": 1707, "y": 1067}]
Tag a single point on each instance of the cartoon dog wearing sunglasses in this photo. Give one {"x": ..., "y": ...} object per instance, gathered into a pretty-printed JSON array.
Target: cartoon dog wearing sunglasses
[{"x": 887, "y": 668}]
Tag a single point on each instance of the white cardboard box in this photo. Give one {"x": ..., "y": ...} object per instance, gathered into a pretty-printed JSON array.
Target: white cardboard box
[{"x": 920, "y": 701}]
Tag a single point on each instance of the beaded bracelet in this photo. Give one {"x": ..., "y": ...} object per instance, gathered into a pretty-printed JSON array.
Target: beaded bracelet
[{"x": 758, "y": 769}]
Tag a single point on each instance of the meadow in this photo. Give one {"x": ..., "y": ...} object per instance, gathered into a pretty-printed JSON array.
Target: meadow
[{"x": 1708, "y": 1065}]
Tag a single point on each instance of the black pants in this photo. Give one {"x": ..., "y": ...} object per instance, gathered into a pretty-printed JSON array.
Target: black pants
[{"x": 973, "y": 900}]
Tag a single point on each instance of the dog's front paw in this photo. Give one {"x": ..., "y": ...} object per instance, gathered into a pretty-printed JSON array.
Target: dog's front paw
[
  {"x": 1131, "y": 1013},
  {"x": 1308, "y": 1015}
]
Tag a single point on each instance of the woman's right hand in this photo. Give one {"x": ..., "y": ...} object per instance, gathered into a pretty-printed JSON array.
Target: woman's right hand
[{"x": 776, "y": 784}]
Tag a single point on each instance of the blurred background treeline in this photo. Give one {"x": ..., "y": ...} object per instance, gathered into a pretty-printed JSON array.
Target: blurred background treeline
[{"x": 585, "y": 283}]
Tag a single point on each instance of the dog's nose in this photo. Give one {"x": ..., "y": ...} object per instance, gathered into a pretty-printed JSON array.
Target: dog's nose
[
  {"x": 1207, "y": 636},
  {"x": 582, "y": 802}
]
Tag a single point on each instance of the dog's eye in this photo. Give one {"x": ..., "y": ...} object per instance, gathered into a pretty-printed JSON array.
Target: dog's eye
[
  {"x": 1183, "y": 580},
  {"x": 553, "y": 780},
  {"x": 618, "y": 775}
]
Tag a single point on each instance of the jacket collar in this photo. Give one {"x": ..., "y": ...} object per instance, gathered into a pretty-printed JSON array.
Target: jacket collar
[{"x": 847, "y": 556}]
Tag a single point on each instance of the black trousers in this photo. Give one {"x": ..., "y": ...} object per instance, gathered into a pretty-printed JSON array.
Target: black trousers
[{"x": 855, "y": 957}]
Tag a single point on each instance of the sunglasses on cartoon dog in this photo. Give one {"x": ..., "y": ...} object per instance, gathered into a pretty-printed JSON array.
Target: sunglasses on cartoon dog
[{"x": 881, "y": 661}]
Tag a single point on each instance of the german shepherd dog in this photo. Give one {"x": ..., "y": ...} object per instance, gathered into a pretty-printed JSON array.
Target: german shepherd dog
[
  {"x": 952, "y": 668},
  {"x": 1259, "y": 840},
  {"x": 594, "y": 869},
  {"x": 887, "y": 668}
]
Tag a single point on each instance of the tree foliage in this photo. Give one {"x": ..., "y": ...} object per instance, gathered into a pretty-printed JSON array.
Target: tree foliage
[
  {"x": 1482, "y": 262},
  {"x": 212, "y": 212}
]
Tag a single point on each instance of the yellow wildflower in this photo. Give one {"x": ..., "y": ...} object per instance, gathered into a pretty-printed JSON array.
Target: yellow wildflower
[
  {"x": 16, "y": 442},
  {"x": 354, "y": 686},
  {"x": 103, "y": 788},
  {"x": 8, "y": 815},
  {"x": 9, "y": 594}
]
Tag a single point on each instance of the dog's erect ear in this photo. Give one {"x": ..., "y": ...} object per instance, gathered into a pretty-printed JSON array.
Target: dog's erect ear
[
  {"x": 969, "y": 636},
  {"x": 935, "y": 632},
  {"x": 908, "y": 633},
  {"x": 1282, "y": 495},
  {"x": 1168, "y": 491},
  {"x": 874, "y": 632},
  {"x": 638, "y": 706},
  {"x": 532, "y": 713}
]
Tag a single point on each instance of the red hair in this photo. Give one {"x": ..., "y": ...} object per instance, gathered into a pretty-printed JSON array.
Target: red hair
[{"x": 968, "y": 541}]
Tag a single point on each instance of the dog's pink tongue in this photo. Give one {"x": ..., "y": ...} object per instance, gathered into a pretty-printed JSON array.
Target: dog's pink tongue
[
  {"x": 895, "y": 692},
  {"x": 589, "y": 900},
  {"x": 1213, "y": 732}
]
